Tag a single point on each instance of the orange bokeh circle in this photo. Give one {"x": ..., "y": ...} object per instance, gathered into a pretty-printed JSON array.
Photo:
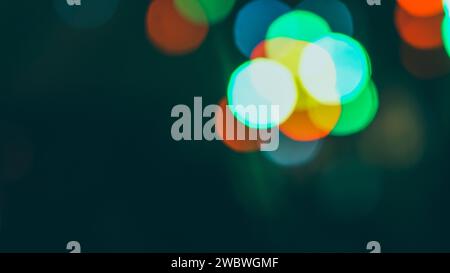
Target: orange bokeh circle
[
  {"x": 224, "y": 118},
  {"x": 422, "y": 8},
  {"x": 419, "y": 32},
  {"x": 171, "y": 32}
]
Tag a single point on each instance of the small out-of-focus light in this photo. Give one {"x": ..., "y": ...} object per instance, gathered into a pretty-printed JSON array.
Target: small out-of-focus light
[
  {"x": 224, "y": 120},
  {"x": 286, "y": 51},
  {"x": 293, "y": 153},
  {"x": 334, "y": 12},
  {"x": 253, "y": 21},
  {"x": 204, "y": 11},
  {"x": 425, "y": 64},
  {"x": 170, "y": 32},
  {"x": 298, "y": 25},
  {"x": 260, "y": 84},
  {"x": 397, "y": 137},
  {"x": 318, "y": 75},
  {"x": 446, "y": 33},
  {"x": 447, "y": 7},
  {"x": 352, "y": 65},
  {"x": 87, "y": 15},
  {"x": 311, "y": 119},
  {"x": 422, "y": 8},
  {"x": 358, "y": 114},
  {"x": 419, "y": 32}
]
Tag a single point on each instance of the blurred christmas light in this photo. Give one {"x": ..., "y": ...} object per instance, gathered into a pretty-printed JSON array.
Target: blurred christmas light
[
  {"x": 298, "y": 25},
  {"x": 252, "y": 23},
  {"x": 205, "y": 11},
  {"x": 353, "y": 68},
  {"x": 294, "y": 153},
  {"x": 327, "y": 70},
  {"x": 334, "y": 12},
  {"x": 399, "y": 130},
  {"x": 358, "y": 114},
  {"x": 170, "y": 32},
  {"x": 422, "y": 8},
  {"x": 311, "y": 119},
  {"x": 446, "y": 33},
  {"x": 262, "y": 82},
  {"x": 419, "y": 32},
  {"x": 318, "y": 75},
  {"x": 223, "y": 122}
]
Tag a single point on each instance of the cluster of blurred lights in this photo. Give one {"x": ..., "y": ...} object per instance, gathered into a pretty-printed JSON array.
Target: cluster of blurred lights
[
  {"x": 178, "y": 27},
  {"x": 424, "y": 29},
  {"x": 305, "y": 61}
]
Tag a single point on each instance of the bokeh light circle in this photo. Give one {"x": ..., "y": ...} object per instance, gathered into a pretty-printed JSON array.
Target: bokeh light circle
[
  {"x": 419, "y": 32},
  {"x": 253, "y": 21},
  {"x": 292, "y": 153},
  {"x": 447, "y": 7},
  {"x": 334, "y": 12},
  {"x": 224, "y": 120},
  {"x": 446, "y": 34},
  {"x": 205, "y": 11},
  {"x": 318, "y": 75},
  {"x": 399, "y": 129},
  {"x": 311, "y": 119},
  {"x": 262, "y": 83},
  {"x": 170, "y": 32},
  {"x": 352, "y": 64},
  {"x": 299, "y": 25},
  {"x": 422, "y": 8},
  {"x": 87, "y": 15},
  {"x": 284, "y": 50},
  {"x": 359, "y": 113}
]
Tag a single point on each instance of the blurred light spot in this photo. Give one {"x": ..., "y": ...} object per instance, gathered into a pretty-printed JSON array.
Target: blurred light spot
[
  {"x": 422, "y": 8},
  {"x": 317, "y": 74},
  {"x": 298, "y": 25},
  {"x": 334, "y": 12},
  {"x": 425, "y": 64},
  {"x": 446, "y": 34},
  {"x": 349, "y": 190},
  {"x": 266, "y": 83},
  {"x": 293, "y": 153},
  {"x": 447, "y": 7},
  {"x": 226, "y": 117},
  {"x": 171, "y": 32},
  {"x": 396, "y": 139},
  {"x": 311, "y": 119},
  {"x": 358, "y": 114},
  {"x": 285, "y": 51},
  {"x": 253, "y": 21},
  {"x": 89, "y": 14},
  {"x": 205, "y": 11},
  {"x": 353, "y": 68},
  {"x": 419, "y": 32}
]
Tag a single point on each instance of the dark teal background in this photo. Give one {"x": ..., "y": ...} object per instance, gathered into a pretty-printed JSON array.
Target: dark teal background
[{"x": 88, "y": 156}]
